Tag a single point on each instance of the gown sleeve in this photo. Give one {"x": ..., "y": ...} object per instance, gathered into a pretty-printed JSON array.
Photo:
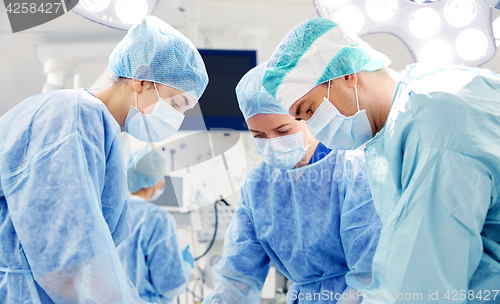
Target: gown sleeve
[
  {"x": 55, "y": 206},
  {"x": 359, "y": 224},
  {"x": 431, "y": 242},
  {"x": 168, "y": 271},
  {"x": 240, "y": 274}
]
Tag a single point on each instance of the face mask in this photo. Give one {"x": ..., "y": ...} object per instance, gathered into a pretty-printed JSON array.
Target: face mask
[
  {"x": 158, "y": 192},
  {"x": 282, "y": 152},
  {"x": 335, "y": 130},
  {"x": 163, "y": 122}
]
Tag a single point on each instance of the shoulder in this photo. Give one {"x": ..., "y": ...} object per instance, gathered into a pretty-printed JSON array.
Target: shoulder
[{"x": 449, "y": 104}]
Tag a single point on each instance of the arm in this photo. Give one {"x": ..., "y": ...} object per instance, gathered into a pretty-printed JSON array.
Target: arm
[
  {"x": 169, "y": 272},
  {"x": 240, "y": 275},
  {"x": 55, "y": 207},
  {"x": 359, "y": 224},
  {"x": 432, "y": 238}
]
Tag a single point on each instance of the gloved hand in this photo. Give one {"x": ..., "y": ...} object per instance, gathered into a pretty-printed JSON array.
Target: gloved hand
[{"x": 187, "y": 256}]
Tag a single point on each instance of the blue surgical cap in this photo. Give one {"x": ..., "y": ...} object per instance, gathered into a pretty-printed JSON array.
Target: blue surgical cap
[
  {"x": 145, "y": 168},
  {"x": 253, "y": 98},
  {"x": 313, "y": 52},
  {"x": 154, "y": 51}
]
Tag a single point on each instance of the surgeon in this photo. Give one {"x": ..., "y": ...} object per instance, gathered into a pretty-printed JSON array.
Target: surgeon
[
  {"x": 306, "y": 209},
  {"x": 151, "y": 255},
  {"x": 63, "y": 188},
  {"x": 433, "y": 164}
]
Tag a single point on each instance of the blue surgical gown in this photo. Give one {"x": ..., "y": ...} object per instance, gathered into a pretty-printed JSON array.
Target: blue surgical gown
[
  {"x": 434, "y": 170},
  {"x": 63, "y": 202},
  {"x": 151, "y": 255},
  {"x": 316, "y": 224}
]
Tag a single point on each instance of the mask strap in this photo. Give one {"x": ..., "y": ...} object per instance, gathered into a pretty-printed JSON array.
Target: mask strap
[
  {"x": 356, "y": 90},
  {"x": 156, "y": 90},
  {"x": 136, "y": 101},
  {"x": 328, "y": 96}
]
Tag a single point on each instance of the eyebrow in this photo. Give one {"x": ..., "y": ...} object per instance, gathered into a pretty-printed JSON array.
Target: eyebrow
[
  {"x": 255, "y": 131},
  {"x": 299, "y": 108},
  {"x": 281, "y": 126}
]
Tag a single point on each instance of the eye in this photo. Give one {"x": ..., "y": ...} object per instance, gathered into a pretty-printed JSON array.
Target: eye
[
  {"x": 309, "y": 110},
  {"x": 283, "y": 132}
]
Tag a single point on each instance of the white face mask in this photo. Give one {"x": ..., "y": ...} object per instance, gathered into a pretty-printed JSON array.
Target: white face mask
[
  {"x": 158, "y": 192},
  {"x": 335, "y": 130},
  {"x": 163, "y": 122},
  {"x": 282, "y": 152}
]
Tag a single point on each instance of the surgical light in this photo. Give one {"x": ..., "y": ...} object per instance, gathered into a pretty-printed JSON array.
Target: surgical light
[
  {"x": 424, "y": 23},
  {"x": 119, "y": 14},
  {"x": 131, "y": 11},
  {"x": 471, "y": 44},
  {"x": 95, "y": 5},
  {"x": 351, "y": 17},
  {"x": 453, "y": 31},
  {"x": 460, "y": 13},
  {"x": 381, "y": 10}
]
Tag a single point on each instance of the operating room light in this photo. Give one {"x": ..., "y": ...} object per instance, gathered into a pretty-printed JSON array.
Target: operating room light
[
  {"x": 460, "y": 13},
  {"x": 118, "y": 14},
  {"x": 131, "y": 11},
  {"x": 424, "y": 23},
  {"x": 381, "y": 10},
  {"x": 95, "y": 5},
  {"x": 350, "y": 17},
  {"x": 471, "y": 44},
  {"x": 436, "y": 52}
]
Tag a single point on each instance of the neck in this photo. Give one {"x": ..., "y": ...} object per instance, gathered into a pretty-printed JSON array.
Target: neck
[
  {"x": 145, "y": 193},
  {"x": 117, "y": 100},
  {"x": 379, "y": 94}
]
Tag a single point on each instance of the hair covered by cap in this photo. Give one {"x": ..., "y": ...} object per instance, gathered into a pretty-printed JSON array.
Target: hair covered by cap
[
  {"x": 154, "y": 51},
  {"x": 145, "y": 168},
  {"x": 253, "y": 99},
  {"x": 313, "y": 52}
]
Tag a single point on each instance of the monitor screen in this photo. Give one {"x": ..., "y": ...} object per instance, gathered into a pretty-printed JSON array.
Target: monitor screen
[{"x": 218, "y": 103}]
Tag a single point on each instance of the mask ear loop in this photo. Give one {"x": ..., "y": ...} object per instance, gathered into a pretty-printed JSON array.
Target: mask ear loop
[
  {"x": 328, "y": 95},
  {"x": 356, "y": 90},
  {"x": 157, "y": 91}
]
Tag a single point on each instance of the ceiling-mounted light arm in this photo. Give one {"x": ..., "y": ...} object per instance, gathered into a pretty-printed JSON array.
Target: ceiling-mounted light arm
[{"x": 493, "y": 3}]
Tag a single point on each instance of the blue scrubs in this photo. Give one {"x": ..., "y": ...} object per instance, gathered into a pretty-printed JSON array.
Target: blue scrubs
[
  {"x": 63, "y": 202},
  {"x": 151, "y": 255},
  {"x": 434, "y": 170},
  {"x": 316, "y": 224},
  {"x": 319, "y": 153}
]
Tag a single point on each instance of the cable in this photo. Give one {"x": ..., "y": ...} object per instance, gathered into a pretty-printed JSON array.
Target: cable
[{"x": 221, "y": 200}]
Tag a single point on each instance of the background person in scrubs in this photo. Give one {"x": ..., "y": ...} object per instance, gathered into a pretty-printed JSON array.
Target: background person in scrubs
[
  {"x": 151, "y": 255},
  {"x": 434, "y": 163},
  {"x": 306, "y": 209},
  {"x": 63, "y": 190}
]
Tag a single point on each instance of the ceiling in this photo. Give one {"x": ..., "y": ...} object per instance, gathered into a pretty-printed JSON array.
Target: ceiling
[{"x": 223, "y": 24}]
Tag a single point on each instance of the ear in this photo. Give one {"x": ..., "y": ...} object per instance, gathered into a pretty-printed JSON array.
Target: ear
[
  {"x": 351, "y": 80},
  {"x": 139, "y": 85}
]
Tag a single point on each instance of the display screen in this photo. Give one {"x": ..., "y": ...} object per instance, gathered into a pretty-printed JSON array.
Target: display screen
[{"x": 218, "y": 103}]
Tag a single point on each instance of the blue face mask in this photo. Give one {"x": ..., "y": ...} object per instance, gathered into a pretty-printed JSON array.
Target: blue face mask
[
  {"x": 282, "y": 152},
  {"x": 163, "y": 122},
  {"x": 335, "y": 130}
]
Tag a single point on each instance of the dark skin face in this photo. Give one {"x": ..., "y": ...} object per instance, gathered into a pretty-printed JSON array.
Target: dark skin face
[{"x": 342, "y": 96}]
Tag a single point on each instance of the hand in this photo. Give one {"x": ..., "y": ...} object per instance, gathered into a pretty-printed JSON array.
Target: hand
[{"x": 187, "y": 256}]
